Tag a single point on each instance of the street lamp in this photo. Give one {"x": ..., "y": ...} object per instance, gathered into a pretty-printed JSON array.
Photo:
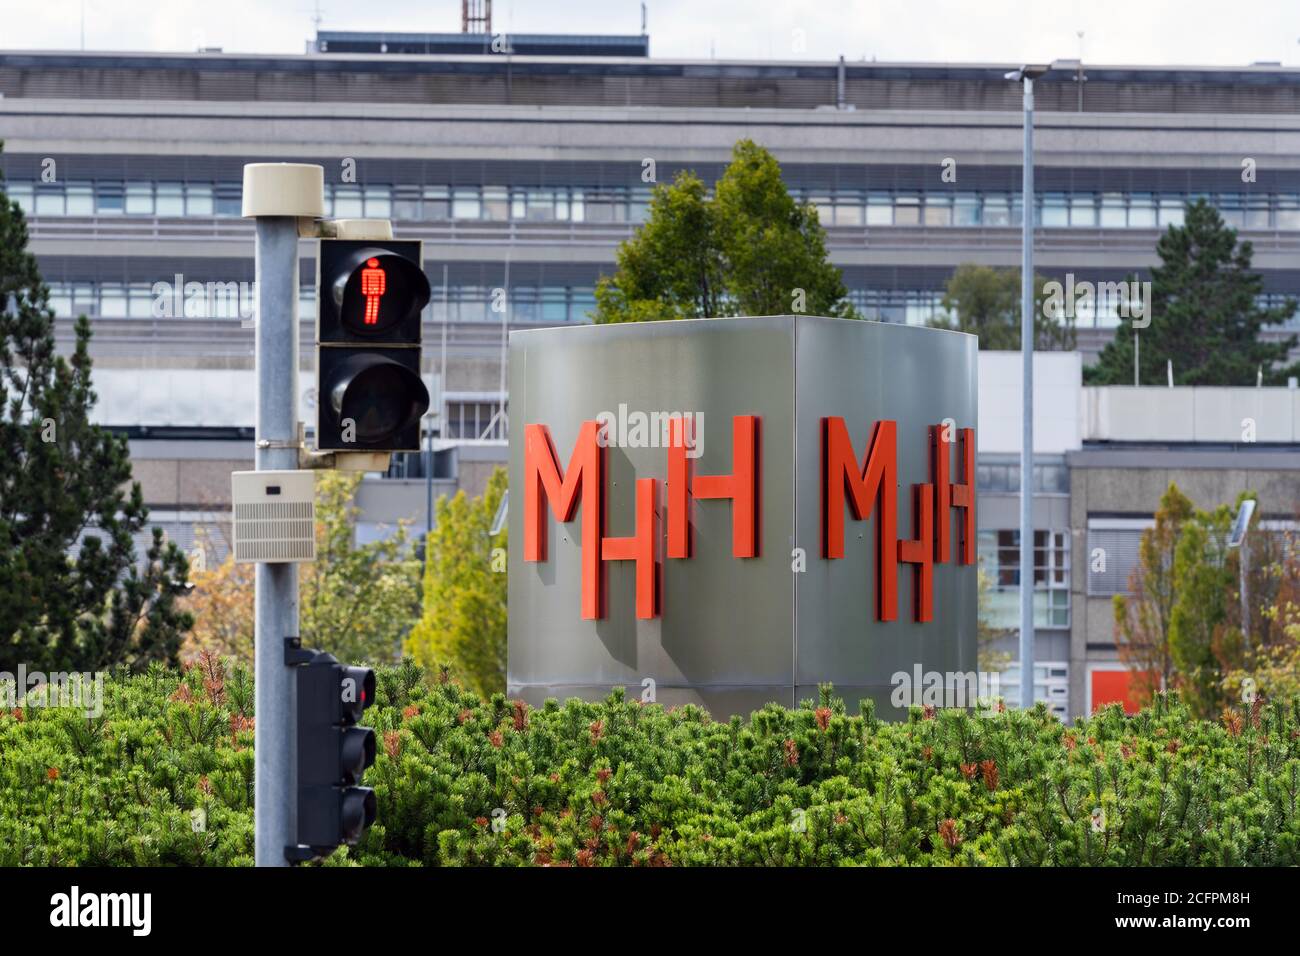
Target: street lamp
[
  {"x": 1237, "y": 539},
  {"x": 1026, "y": 75}
]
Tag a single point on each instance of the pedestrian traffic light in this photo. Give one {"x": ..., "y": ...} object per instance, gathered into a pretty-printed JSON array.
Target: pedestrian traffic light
[
  {"x": 369, "y": 297},
  {"x": 333, "y": 753}
]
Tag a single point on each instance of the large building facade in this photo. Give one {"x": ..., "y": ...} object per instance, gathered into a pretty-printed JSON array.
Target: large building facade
[{"x": 523, "y": 171}]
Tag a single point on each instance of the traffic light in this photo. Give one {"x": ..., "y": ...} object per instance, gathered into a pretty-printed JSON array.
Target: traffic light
[
  {"x": 369, "y": 296},
  {"x": 333, "y": 753}
]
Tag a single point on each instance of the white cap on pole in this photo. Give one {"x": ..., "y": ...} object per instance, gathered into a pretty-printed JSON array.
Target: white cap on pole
[{"x": 284, "y": 189}]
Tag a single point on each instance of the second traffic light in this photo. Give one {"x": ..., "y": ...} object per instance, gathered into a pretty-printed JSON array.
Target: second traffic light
[
  {"x": 333, "y": 753},
  {"x": 369, "y": 297}
]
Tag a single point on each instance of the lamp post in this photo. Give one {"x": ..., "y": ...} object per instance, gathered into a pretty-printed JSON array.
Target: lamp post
[
  {"x": 1237, "y": 539},
  {"x": 1026, "y": 76}
]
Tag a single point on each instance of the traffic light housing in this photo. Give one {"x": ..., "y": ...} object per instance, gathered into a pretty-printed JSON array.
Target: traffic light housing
[
  {"x": 370, "y": 294},
  {"x": 333, "y": 753}
]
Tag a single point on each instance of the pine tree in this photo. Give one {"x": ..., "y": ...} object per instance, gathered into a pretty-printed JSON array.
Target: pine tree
[
  {"x": 61, "y": 476},
  {"x": 1205, "y": 316}
]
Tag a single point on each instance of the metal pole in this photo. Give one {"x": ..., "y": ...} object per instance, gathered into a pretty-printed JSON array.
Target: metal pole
[
  {"x": 1027, "y": 411},
  {"x": 1245, "y": 590},
  {"x": 428, "y": 493},
  {"x": 274, "y": 769}
]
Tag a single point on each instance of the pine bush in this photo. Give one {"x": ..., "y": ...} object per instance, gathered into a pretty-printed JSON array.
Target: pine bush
[{"x": 165, "y": 776}]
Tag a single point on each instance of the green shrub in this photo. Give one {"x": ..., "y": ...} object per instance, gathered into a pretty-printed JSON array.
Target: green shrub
[{"x": 165, "y": 777}]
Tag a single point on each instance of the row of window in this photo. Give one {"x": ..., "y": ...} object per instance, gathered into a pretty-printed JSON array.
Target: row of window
[
  {"x": 836, "y": 207},
  {"x": 556, "y": 305},
  {"x": 550, "y": 305},
  {"x": 1048, "y": 479},
  {"x": 408, "y": 203},
  {"x": 999, "y": 555}
]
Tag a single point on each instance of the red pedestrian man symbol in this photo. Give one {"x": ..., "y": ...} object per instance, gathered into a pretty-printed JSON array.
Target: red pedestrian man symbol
[{"x": 373, "y": 284}]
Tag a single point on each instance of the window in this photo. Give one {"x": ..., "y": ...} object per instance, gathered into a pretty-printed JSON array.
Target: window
[
  {"x": 61, "y": 299},
  {"x": 966, "y": 210},
  {"x": 112, "y": 300},
  {"x": 171, "y": 199},
  {"x": 49, "y": 200},
  {"x": 379, "y": 202},
  {"x": 606, "y": 206},
  {"x": 1000, "y": 557},
  {"x": 1232, "y": 208},
  {"x": 938, "y": 210},
  {"x": 406, "y": 203},
  {"x": 198, "y": 199},
  {"x": 139, "y": 199},
  {"x": 496, "y": 203},
  {"x": 1055, "y": 212},
  {"x": 1288, "y": 211},
  {"x": 1171, "y": 211},
  {"x": 1083, "y": 210},
  {"x": 20, "y": 193},
  {"x": 540, "y": 206},
  {"x": 140, "y": 301},
  {"x": 1052, "y": 479},
  {"x": 1114, "y": 214},
  {"x": 229, "y": 199},
  {"x": 1257, "y": 211},
  {"x": 437, "y": 205},
  {"x": 474, "y": 420},
  {"x": 1051, "y": 685},
  {"x": 465, "y": 203},
  {"x": 880, "y": 210},
  {"x": 1113, "y": 553},
  {"x": 907, "y": 210},
  {"x": 1141, "y": 211},
  {"x": 849, "y": 210},
  {"x": 348, "y": 202},
  {"x": 997, "y": 211},
  {"x": 639, "y": 204},
  {"x": 108, "y": 199}
]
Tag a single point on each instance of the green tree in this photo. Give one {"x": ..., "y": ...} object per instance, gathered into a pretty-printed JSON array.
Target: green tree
[
  {"x": 1204, "y": 584},
  {"x": 987, "y": 633},
  {"x": 64, "y": 480},
  {"x": 1205, "y": 316},
  {"x": 747, "y": 249},
  {"x": 985, "y": 302},
  {"x": 358, "y": 601},
  {"x": 464, "y": 620},
  {"x": 1143, "y": 618}
]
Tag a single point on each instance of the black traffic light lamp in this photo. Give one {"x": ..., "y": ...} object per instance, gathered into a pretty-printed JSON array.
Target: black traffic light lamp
[
  {"x": 369, "y": 395},
  {"x": 333, "y": 752}
]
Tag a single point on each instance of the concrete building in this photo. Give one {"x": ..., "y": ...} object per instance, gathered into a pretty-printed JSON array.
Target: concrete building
[{"x": 523, "y": 171}]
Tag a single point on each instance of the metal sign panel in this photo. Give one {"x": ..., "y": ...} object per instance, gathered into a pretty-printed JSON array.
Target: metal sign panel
[{"x": 697, "y": 619}]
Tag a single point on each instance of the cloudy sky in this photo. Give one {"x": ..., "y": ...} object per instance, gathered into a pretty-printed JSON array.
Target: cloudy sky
[{"x": 1114, "y": 31}]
